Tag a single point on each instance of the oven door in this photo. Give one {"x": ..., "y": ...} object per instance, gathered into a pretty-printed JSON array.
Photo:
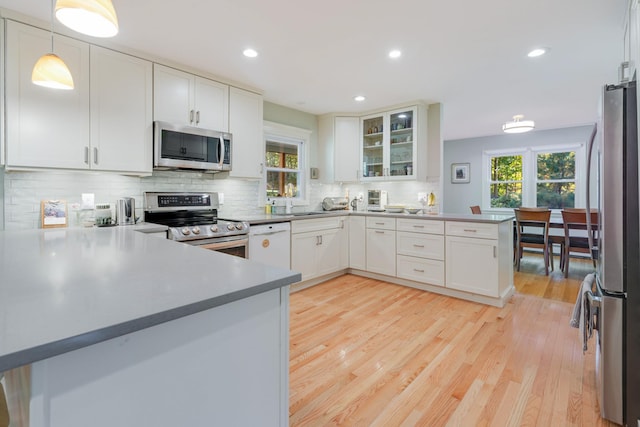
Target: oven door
[{"x": 234, "y": 245}]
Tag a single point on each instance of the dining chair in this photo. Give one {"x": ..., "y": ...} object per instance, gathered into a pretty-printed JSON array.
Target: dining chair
[
  {"x": 576, "y": 234},
  {"x": 532, "y": 231},
  {"x": 475, "y": 210}
]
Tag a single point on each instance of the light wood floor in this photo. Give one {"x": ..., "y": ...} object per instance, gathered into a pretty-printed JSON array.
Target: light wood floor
[{"x": 369, "y": 353}]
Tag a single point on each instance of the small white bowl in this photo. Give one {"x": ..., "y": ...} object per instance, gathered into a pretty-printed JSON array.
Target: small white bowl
[{"x": 413, "y": 210}]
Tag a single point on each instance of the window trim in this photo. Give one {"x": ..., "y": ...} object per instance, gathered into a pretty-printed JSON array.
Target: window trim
[
  {"x": 287, "y": 134},
  {"x": 530, "y": 170}
]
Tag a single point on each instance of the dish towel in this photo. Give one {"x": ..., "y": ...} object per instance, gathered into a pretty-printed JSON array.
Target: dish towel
[{"x": 581, "y": 317}]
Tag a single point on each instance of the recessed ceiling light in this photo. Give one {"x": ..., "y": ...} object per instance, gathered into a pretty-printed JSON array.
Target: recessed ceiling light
[
  {"x": 359, "y": 98},
  {"x": 537, "y": 52},
  {"x": 250, "y": 53},
  {"x": 395, "y": 54}
]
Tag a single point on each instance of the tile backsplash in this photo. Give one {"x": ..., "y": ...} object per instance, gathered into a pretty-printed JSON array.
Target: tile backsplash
[{"x": 23, "y": 192}]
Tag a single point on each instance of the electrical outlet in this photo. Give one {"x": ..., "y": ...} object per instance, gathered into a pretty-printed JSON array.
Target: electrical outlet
[
  {"x": 422, "y": 197},
  {"x": 361, "y": 197},
  {"x": 88, "y": 201},
  {"x": 221, "y": 198}
]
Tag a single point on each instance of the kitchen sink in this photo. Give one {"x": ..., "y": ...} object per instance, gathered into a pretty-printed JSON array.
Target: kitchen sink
[{"x": 307, "y": 213}]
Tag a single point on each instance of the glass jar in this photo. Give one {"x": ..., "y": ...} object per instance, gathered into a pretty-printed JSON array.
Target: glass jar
[{"x": 103, "y": 214}]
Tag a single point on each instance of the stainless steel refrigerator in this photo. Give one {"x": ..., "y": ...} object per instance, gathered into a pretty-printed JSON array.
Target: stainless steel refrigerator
[{"x": 615, "y": 305}]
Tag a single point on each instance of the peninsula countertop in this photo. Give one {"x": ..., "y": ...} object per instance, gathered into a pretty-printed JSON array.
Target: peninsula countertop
[{"x": 63, "y": 289}]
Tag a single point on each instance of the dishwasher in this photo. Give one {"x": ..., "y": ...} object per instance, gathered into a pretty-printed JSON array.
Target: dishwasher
[{"x": 271, "y": 244}]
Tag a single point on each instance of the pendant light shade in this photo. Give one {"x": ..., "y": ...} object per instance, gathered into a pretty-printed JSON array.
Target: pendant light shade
[
  {"x": 518, "y": 125},
  {"x": 95, "y": 18},
  {"x": 51, "y": 71}
]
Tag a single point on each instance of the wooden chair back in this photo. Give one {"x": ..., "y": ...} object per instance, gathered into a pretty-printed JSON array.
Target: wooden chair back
[
  {"x": 476, "y": 210},
  {"x": 532, "y": 231}
]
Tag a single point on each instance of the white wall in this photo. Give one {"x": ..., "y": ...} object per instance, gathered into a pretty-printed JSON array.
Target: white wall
[
  {"x": 2, "y": 199},
  {"x": 458, "y": 197}
]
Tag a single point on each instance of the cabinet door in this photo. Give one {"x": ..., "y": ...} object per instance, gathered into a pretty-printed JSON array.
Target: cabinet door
[
  {"x": 45, "y": 127},
  {"x": 373, "y": 148},
  {"x": 303, "y": 254},
  {"x": 211, "y": 105},
  {"x": 357, "y": 243},
  {"x": 346, "y": 145},
  {"x": 472, "y": 265},
  {"x": 402, "y": 144},
  {"x": 173, "y": 93},
  {"x": 245, "y": 124},
  {"x": 381, "y": 251},
  {"x": 121, "y": 112},
  {"x": 329, "y": 252}
]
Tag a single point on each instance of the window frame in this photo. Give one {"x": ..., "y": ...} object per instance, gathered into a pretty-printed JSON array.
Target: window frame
[
  {"x": 530, "y": 173},
  {"x": 277, "y": 132}
]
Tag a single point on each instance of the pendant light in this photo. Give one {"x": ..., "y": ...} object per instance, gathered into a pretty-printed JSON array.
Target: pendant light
[
  {"x": 518, "y": 125},
  {"x": 51, "y": 71},
  {"x": 96, "y": 18}
]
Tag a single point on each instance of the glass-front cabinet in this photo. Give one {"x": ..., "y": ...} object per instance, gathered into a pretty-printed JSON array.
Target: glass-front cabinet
[{"x": 389, "y": 145}]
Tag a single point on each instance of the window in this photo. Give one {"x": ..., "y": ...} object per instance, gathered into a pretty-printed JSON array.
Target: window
[
  {"x": 540, "y": 176},
  {"x": 283, "y": 168},
  {"x": 506, "y": 181},
  {"x": 285, "y": 159},
  {"x": 556, "y": 179}
]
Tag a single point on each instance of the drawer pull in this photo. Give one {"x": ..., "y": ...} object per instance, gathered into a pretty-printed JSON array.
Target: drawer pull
[
  {"x": 379, "y": 223},
  {"x": 418, "y": 246},
  {"x": 379, "y": 232},
  {"x": 418, "y": 270},
  {"x": 418, "y": 226},
  {"x": 495, "y": 252},
  {"x": 469, "y": 230}
]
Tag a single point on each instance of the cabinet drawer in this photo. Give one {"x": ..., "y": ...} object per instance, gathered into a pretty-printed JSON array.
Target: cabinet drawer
[
  {"x": 420, "y": 245},
  {"x": 381, "y": 223},
  {"x": 472, "y": 229},
  {"x": 319, "y": 224},
  {"x": 421, "y": 270},
  {"x": 420, "y": 226}
]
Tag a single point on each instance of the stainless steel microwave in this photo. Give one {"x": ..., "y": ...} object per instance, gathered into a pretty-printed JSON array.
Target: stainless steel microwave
[{"x": 187, "y": 147}]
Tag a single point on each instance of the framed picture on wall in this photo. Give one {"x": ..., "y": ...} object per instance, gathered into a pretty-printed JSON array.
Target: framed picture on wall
[{"x": 460, "y": 173}]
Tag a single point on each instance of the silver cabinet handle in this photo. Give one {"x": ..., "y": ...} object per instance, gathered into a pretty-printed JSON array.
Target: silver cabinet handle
[
  {"x": 379, "y": 232},
  {"x": 95, "y": 155},
  {"x": 418, "y": 226},
  {"x": 379, "y": 223},
  {"x": 190, "y": 116},
  {"x": 468, "y": 230},
  {"x": 495, "y": 252},
  {"x": 86, "y": 155},
  {"x": 197, "y": 116},
  {"x": 418, "y": 246},
  {"x": 418, "y": 270}
]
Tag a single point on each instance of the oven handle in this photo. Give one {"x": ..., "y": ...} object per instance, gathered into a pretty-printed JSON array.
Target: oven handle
[{"x": 225, "y": 244}]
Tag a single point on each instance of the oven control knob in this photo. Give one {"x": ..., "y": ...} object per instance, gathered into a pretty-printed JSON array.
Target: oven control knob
[
  {"x": 195, "y": 230},
  {"x": 230, "y": 227},
  {"x": 214, "y": 228},
  {"x": 239, "y": 226},
  {"x": 186, "y": 231}
]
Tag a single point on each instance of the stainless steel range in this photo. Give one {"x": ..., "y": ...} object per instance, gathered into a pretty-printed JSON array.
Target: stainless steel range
[{"x": 192, "y": 218}]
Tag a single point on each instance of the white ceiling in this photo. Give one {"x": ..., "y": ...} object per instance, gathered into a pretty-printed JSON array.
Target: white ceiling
[{"x": 469, "y": 55}]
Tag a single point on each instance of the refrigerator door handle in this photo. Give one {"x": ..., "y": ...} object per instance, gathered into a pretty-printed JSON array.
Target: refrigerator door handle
[
  {"x": 592, "y": 138},
  {"x": 594, "y": 303}
]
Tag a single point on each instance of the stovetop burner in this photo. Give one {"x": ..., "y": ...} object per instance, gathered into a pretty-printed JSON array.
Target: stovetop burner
[{"x": 190, "y": 216}]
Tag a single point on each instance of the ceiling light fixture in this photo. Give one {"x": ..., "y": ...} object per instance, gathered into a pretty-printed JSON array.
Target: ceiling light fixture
[
  {"x": 96, "y": 18},
  {"x": 250, "y": 53},
  {"x": 359, "y": 98},
  {"x": 518, "y": 125},
  {"x": 395, "y": 54},
  {"x": 537, "y": 52},
  {"x": 51, "y": 71}
]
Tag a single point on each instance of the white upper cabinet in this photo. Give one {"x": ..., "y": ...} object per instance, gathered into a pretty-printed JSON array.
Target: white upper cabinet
[
  {"x": 245, "y": 124},
  {"x": 390, "y": 145},
  {"x": 346, "y": 149},
  {"x": 183, "y": 98},
  {"x": 46, "y": 128},
  {"x": 104, "y": 123},
  {"x": 121, "y": 112}
]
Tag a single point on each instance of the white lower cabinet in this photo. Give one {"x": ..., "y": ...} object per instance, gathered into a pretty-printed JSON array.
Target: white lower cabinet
[
  {"x": 319, "y": 246},
  {"x": 421, "y": 251},
  {"x": 473, "y": 258},
  {"x": 357, "y": 245},
  {"x": 381, "y": 245}
]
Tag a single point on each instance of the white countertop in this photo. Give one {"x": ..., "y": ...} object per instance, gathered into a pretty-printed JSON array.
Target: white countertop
[{"x": 62, "y": 289}]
